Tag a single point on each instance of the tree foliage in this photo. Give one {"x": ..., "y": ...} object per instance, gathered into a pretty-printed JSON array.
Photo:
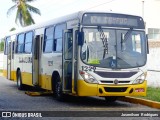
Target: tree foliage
[
  {"x": 1, "y": 45},
  {"x": 24, "y": 10},
  {"x": 12, "y": 29}
]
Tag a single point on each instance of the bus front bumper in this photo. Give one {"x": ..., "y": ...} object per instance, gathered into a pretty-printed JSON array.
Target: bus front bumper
[{"x": 86, "y": 89}]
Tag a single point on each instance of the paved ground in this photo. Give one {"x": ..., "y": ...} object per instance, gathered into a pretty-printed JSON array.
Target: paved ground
[{"x": 12, "y": 99}]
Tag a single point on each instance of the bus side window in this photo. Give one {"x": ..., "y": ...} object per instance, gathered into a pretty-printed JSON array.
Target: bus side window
[
  {"x": 6, "y": 45},
  {"x": 28, "y": 42},
  {"x": 54, "y": 44},
  {"x": 20, "y": 43},
  {"x": 58, "y": 37},
  {"x": 48, "y": 40}
]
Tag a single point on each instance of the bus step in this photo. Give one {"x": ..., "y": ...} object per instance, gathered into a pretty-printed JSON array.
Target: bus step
[
  {"x": 67, "y": 91},
  {"x": 31, "y": 93}
]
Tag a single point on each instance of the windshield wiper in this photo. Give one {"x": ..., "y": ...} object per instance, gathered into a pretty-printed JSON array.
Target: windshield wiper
[
  {"x": 104, "y": 41},
  {"x": 126, "y": 36}
]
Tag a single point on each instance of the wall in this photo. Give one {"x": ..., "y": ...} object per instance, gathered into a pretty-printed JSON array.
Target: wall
[{"x": 153, "y": 63}]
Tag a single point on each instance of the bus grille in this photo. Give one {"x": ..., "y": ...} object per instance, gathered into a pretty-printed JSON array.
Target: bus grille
[
  {"x": 117, "y": 89},
  {"x": 115, "y": 74},
  {"x": 102, "y": 81}
]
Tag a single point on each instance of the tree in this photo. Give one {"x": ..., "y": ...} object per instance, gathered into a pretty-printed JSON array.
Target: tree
[
  {"x": 24, "y": 10},
  {"x": 12, "y": 29},
  {"x": 1, "y": 45}
]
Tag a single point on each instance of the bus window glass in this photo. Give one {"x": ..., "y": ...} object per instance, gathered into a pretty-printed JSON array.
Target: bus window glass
[
  {"x": 136, "y": 42},
  {"x": 123, "y": 48},
  {"x": 58, "y": 37},
  {"x": 48, "y": 41},
  {"x": 20, "y": 43},
  {"x": 28, "y": 42},
  {"x": 130, "y": 48},
  {"x": 68, "y": 45},
  {"x": 59, "y": 45},
  {"x": 8, "y": 39}
]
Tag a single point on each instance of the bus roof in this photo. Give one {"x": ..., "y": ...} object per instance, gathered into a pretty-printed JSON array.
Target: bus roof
[{"x": 77, "y": 15}]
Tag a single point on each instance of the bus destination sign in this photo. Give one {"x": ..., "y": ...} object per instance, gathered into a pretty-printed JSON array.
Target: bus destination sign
[{"x": 113, "y": 20}]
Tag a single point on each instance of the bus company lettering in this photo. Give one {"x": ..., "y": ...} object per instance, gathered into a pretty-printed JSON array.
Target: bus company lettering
[{"x": 25, "y": 60}]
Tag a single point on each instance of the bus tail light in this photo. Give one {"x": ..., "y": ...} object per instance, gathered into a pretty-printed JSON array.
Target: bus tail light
[{"x": 87, "y": 77}]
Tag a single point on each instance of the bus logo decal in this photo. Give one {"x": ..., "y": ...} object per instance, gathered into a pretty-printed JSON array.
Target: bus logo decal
[{"x": 115, "y": 81}]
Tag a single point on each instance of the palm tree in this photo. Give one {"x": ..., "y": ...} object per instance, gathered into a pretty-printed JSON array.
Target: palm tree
[{"x": 24, "y": 10}]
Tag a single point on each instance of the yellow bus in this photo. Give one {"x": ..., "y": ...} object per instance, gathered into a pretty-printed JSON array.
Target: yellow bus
[{"x": 82, "y": 54}]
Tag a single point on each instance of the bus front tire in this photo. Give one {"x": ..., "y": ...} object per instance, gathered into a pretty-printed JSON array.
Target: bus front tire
[
  {"x": 58, "y": 91},
  {"x": 19, "y": 81}
]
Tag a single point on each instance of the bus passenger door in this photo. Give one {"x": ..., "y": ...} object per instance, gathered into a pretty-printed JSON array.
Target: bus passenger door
[
  {"x": 67, "y": 61},
  {"x": 9, "y": 61},
  {"x": 36, "y": 58}
]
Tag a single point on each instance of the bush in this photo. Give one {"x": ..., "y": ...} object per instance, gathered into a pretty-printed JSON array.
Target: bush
[{"x": 2, "y": 46}]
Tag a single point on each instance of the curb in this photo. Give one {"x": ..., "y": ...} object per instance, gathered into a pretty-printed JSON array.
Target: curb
[{"x": 145, "y": 102}]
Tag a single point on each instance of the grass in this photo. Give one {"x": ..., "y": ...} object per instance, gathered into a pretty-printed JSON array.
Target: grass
[
  {"x": 1, "y": 71},
  {"x": 153, "y": 94}
]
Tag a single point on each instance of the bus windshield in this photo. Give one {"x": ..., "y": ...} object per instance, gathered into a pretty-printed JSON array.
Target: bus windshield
[{"x": 122, "y": 52}]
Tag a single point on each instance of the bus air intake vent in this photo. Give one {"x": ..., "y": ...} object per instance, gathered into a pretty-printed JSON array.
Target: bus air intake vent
[
  {"x": 115, "y": 89},
  {"x": 115, "y": 74},
  {"x": 102, "y": 81}
]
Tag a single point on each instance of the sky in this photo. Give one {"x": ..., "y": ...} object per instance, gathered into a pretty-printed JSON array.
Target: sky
[{"x": 51, "y": 9}]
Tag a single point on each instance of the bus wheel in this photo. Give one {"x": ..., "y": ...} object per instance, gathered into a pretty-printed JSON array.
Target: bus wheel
[
  {"x": 19, "y": 81},
  {"x": 58, "y": 91},
  {"x": 110, "y": 99}
]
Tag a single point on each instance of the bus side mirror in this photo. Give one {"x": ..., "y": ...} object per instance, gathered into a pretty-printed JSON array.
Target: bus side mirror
[
  {"x": 147, "y": 44},
  {"x": 80, "y": 38}
]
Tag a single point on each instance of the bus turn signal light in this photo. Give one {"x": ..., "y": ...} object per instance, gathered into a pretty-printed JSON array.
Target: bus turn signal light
[{"x": 139, "y": 90}]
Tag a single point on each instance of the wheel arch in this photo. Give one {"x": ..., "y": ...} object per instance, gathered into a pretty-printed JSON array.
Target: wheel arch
[
  {"x": 55, "y": 74},
  {"x": 18, "y": 69}
]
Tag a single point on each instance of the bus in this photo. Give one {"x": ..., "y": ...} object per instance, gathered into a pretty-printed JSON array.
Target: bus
[{"x": 83, "y": 54}]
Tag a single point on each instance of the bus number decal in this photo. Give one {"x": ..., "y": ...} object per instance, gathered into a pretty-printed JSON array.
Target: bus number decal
[{"x": 88, "y": 68}]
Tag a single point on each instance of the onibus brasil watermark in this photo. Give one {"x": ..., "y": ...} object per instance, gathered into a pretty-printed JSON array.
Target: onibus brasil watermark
[
  {"x": 39, "y": 114},
  {"x": 22, "y": 114}
]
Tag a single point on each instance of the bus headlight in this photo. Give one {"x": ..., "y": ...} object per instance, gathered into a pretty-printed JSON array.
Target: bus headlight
[
  {"x": 87, "y": 77},
  {"x": 140, "y": 79}
]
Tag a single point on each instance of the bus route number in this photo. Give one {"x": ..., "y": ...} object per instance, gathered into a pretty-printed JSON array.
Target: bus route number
[{"x": 88, "y": 68}]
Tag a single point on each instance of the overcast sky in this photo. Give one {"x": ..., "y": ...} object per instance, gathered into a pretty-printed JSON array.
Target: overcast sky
[{"x": 55, "y": 8}]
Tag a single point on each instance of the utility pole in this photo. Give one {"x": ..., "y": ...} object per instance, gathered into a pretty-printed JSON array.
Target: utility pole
[{"x": 142, "y": 9}]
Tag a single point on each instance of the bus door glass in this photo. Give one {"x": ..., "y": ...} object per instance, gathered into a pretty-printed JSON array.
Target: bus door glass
[
  {"x": 9, "y": 61},
  {"x": 67, "y": 60},
  {"x": 36, "y": 55}
]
